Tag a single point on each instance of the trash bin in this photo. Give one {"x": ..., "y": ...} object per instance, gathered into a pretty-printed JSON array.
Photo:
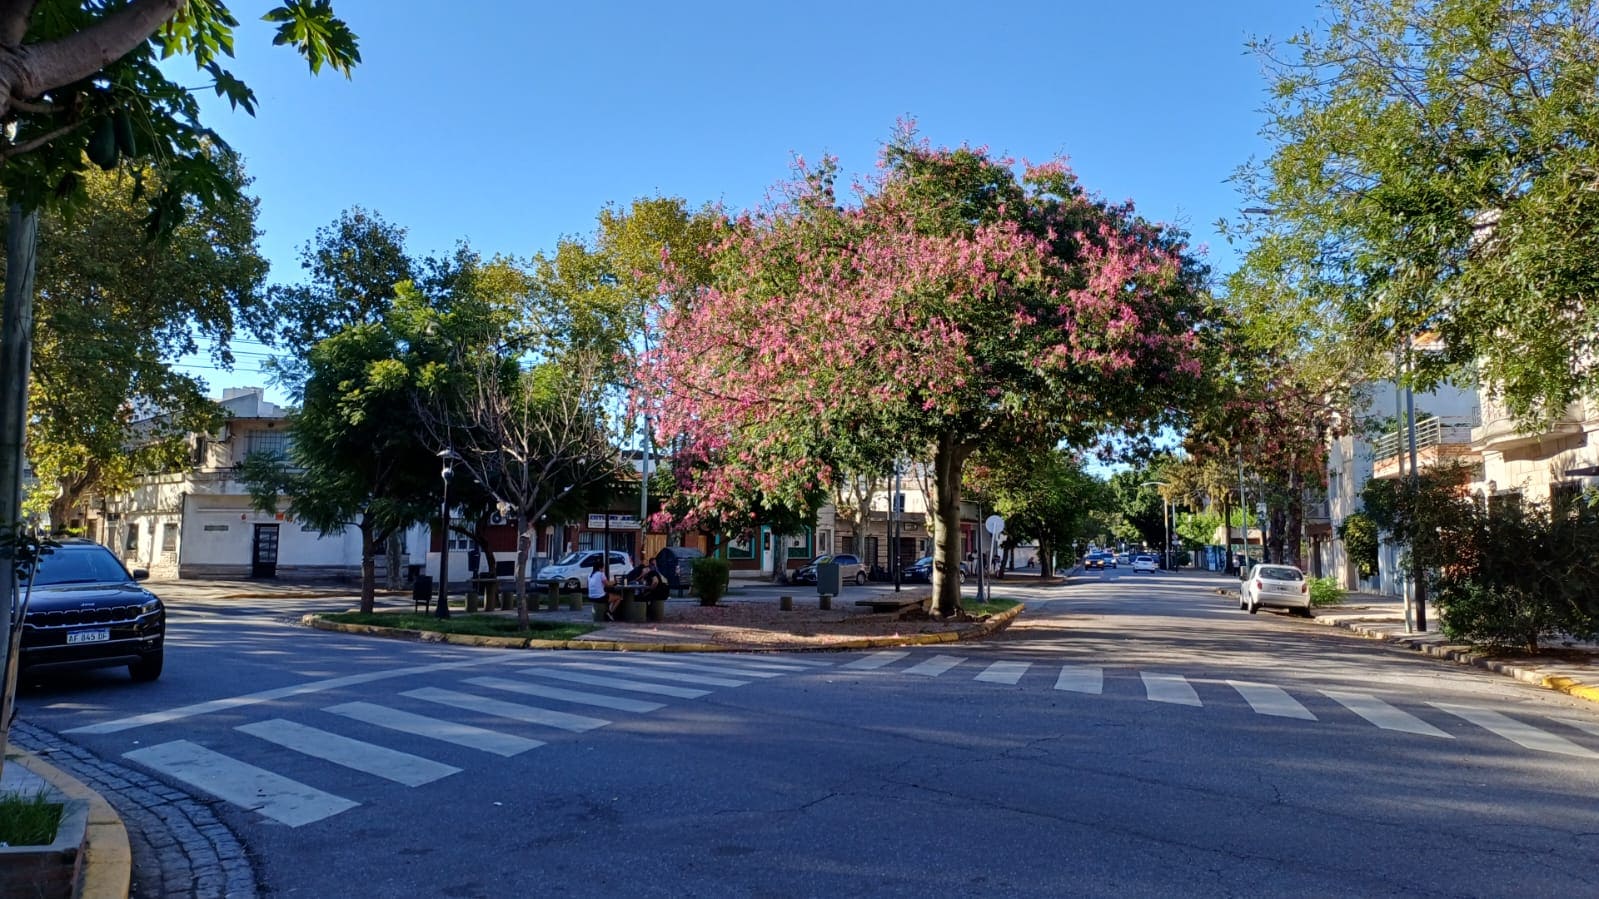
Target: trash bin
[{"x": 421, "y": 591}]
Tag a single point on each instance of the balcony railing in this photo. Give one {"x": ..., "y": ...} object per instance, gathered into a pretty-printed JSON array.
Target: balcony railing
[{"x": 1430, "y": 431}]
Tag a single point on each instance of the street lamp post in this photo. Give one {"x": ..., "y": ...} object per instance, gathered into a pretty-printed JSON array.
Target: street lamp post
[
  {"x": 1165, "y": 522},
  {"x": 448, "y": 457}
]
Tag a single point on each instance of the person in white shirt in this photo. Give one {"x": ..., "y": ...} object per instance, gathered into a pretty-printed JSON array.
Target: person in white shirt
[{"x": 600, "y": 588}]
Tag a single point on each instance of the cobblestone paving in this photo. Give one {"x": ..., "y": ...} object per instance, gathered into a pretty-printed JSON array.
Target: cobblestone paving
[{"x": 180, "y": 847}]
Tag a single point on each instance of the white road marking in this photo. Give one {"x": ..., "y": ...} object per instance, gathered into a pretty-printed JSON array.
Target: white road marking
[
  {"x": 694, "y": 665},
  {"x": 875, "y": 660},
  {"x": 616, "y": 683},
  {"x": 513, "y": 710},
  {"x": 1268, "y": 700},
  {"x": 1172, "y": 688},
  {"x": 1003, "y": 672},
  {"x": 492, "y": 741},
  {"x": 1383, "y": 715},
  {"x": 723, "y": 660},
  {"x": 934, "y": 666},
  {"x": 1081, "y": 679},
  {"x": 1515, "y": 731},
  {"x": 1581, "y": 724},
  {"x": 256, "y": 789},
  {"x": 671, "y": 676},
  {"x": 334, "y": 683},
  {"x": 619, "y": 703},
  {"x": 368, "y": 758}
]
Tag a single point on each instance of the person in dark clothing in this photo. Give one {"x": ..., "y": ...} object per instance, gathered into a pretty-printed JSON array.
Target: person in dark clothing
[{"x": 666, "y": 563}]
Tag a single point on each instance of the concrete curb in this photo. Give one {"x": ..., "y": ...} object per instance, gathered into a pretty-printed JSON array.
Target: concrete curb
[
  {"x": 107, "y": 862},
  {"x": 986, "y": 628},
  {"x": 1467, "y": 655}
]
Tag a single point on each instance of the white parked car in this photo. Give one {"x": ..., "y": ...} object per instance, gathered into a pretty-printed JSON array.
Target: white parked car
[
  {"x": 571, "y": 571},
  {"x": 1145, "y": 563},
  {"x": 1277, "y": 586}
]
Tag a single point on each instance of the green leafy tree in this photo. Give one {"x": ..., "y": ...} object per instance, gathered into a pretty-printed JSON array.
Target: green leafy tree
[
  {"x": 1432, "y": 172},
  {"x": 114, "y": 311},
  {"x": 1047, "y": 498},
  {"x": 960, "y": 305},
  {"x": 1362, "y": 540},
  {"x": 81, "y": 84},
  {"x": 357, "y": 454}
]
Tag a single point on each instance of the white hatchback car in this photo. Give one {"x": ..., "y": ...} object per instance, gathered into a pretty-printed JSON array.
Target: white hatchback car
[
  {"x": 1145, "y": 563},
  {"x": 1278, "y": 586}
]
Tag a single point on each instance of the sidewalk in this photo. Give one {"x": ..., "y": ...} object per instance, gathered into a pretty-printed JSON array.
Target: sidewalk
[
  {"x": 1571, "y": 668},
  {"x": 107, "y": 864}
]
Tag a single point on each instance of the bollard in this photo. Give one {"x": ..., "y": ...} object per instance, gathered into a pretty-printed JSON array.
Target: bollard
[
  {"x": 785, "y": 603},
  {"x": 826, "y": 602}
]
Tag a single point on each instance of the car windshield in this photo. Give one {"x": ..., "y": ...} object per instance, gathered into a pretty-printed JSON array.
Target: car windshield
[
  {"x": 572, "y": 558},
  {"x": 1280, "y": 573},
  {"x": 79, "y": 566}
]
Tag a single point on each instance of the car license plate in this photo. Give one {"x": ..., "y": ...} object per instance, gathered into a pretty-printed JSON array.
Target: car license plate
[{"x": 95, "y": 636}]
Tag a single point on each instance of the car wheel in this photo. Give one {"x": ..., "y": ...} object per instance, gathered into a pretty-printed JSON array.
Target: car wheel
[
  {"x": 147, "y": 669},
  {"x": 860, "y": 578},
  {"x": 1254, "y": 606},
  {"x": 1305, "y": 612},
  {"x": 572, "y": 584}
]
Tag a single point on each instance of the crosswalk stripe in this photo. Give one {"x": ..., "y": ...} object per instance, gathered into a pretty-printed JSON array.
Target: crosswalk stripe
[
  {"x": 256, "y": 789},
  {"x": 1003, "y": 672},
  {"x": 1382, "y": 714},
  {"x": 1172, "y": 688},
  {"x": 1081, "y": 679},
  {"x": 513, "y": 710},
  {"x": 358, "y": 755},
  {"x": 1268, "y": 700},
  {"x": 692, "y": 665},
  {"x": 679, "y": 677},
  {"x": 934, "y": 666},
  {"x": 616, "y": 683},
  {"x": 619, "y": 703},
  {"x": 492, "y": 741},
  {"x": 728, "y": 660},
  {"x": 875, "y": 660},
  {"x": 1591, "y": 727},
  {"x": 1515, "y": 731}
]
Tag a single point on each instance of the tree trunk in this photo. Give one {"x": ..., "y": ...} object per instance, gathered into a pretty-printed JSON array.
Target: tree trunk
[
  {"x": 16, "y": 351},
  {"x": 524, "y": 545},
  {"x": 1046, "y": 558},
  {"x": 369, "y": 566},
  {"x": 392, "y": 558},
  {"x": 1294, "y": 519},
  {"x": 948, "y": 459}
]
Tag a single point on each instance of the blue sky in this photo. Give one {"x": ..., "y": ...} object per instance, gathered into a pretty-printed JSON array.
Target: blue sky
[{"x": 510, "y": 125}]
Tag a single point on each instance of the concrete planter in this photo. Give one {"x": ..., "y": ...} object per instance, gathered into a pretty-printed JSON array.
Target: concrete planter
[{"x": 53, "y": 871}]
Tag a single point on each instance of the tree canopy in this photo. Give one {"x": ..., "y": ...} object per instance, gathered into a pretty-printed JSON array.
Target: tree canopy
[{"x": 958, "y": 304}]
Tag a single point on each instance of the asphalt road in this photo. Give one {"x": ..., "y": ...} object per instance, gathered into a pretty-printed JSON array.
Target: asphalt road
[{"x": 1130, "y": 735}]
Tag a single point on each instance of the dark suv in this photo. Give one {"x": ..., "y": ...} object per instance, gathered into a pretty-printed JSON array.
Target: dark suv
[{"x": 86, "y": 611}]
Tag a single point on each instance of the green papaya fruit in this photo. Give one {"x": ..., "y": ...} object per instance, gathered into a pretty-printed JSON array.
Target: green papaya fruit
[
  {"x": 103, "y": 144},
  {"x": 124, "y": 128}
]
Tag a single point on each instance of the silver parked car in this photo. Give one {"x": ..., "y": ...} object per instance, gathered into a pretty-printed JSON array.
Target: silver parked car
[{"x": 1277, "y": 586}]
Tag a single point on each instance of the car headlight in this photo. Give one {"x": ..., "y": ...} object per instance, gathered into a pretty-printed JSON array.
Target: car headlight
[{"x": 150, "y": 605}]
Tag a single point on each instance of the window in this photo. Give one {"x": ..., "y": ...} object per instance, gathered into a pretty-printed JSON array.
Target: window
[
  {"x": 169, "y": 537},
  {"x": 269, "y": 443},
  {"x": 131, "y": 543},
  {"x": 740, "y": 548}
]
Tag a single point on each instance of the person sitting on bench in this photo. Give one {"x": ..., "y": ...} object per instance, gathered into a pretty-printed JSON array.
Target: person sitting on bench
[{"x": 600, "y": 588}]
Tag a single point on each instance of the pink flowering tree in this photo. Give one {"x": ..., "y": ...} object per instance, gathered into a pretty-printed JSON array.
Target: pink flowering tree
[{"x": 955, "y": 306}]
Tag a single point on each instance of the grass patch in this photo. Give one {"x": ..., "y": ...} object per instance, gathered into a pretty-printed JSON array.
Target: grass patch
[
  {"x": 992, "y": 607},
  {"x": 475, "y": 625},
  {"x": 28, "y": 820}
]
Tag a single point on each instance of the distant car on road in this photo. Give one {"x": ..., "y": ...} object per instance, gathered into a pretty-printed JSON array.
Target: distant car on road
[
  {"x": 1100, "y": 560},
  {"x": 1145, "y": 563},
  {"x": 849, "y": 569},
  {"x": 921, "y": 571},
  {"x": 1124, "y": 558},
  {"x": 86, "y": 610},
  {"x": 1278, "y": 586}
]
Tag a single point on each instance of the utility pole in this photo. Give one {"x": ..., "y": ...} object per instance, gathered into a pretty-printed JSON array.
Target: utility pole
[{"x": 1417, "y": 575}]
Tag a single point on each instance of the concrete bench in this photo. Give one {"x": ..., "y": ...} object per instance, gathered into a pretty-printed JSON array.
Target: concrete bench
[{"x": 891, "y": 603}]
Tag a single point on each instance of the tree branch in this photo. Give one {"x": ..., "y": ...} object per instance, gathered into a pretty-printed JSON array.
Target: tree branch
[
  {"x": 15, "y": 16},
  {"x": 37, "y": 68},
  {"x": 36, "y": 143}
]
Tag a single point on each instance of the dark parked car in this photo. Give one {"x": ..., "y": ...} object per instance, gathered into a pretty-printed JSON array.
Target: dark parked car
[
  {"x": 921, "y": 571},
  {"x": 85, "y": 610}
]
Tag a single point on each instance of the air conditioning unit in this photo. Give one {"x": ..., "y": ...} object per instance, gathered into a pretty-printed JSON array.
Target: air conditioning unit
[{"x": 496, "y": 518}]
